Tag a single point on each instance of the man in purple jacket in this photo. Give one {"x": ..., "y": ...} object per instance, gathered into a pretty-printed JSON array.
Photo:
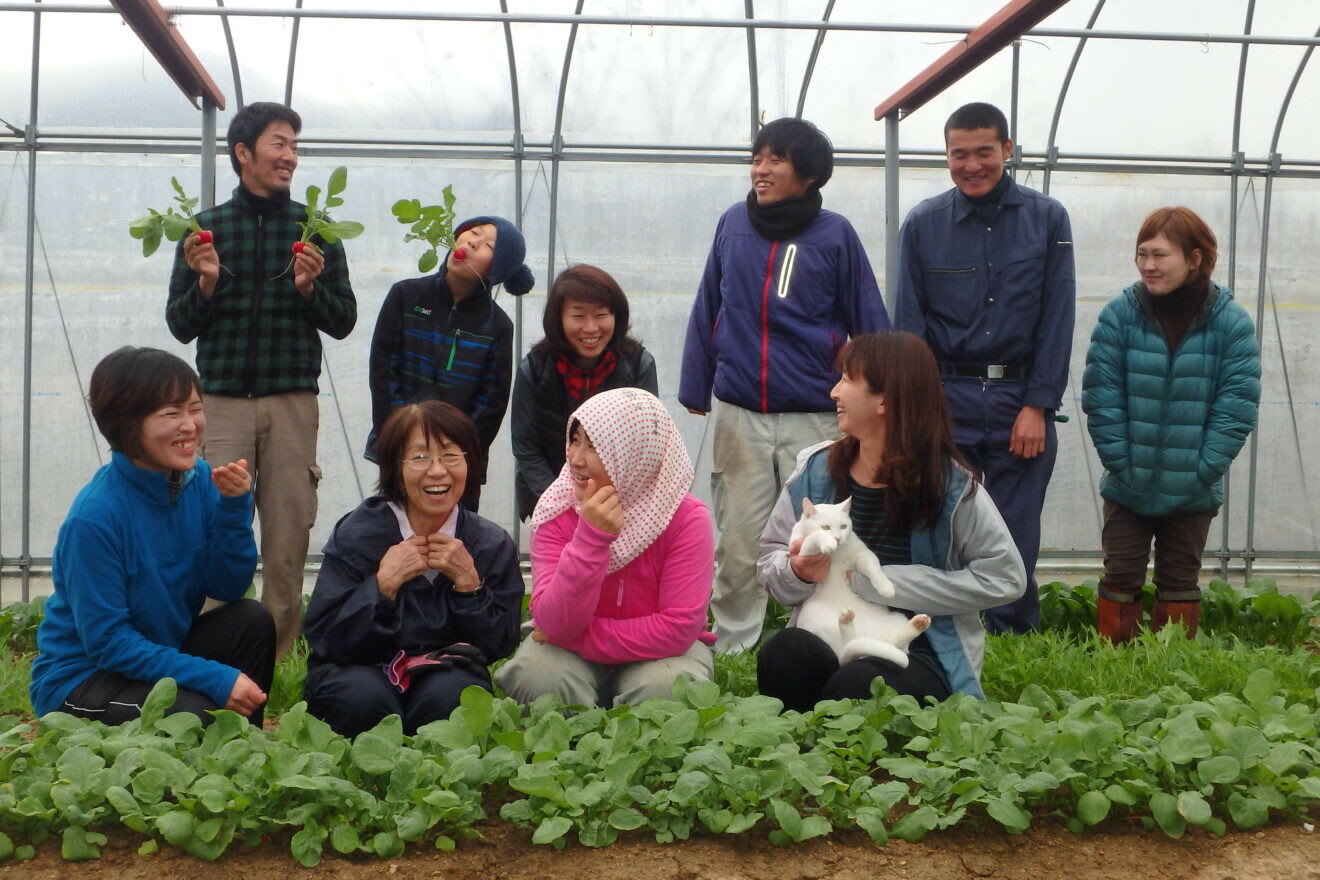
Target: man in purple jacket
[{"x": 785, "y": 285}]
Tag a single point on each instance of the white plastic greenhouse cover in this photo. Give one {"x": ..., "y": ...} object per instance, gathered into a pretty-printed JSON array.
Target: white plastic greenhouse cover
[{"x": 616, "y": 133}]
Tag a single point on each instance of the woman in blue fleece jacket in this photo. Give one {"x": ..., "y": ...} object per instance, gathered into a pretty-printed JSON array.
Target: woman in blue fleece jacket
[{"x": 155, "y": 533}]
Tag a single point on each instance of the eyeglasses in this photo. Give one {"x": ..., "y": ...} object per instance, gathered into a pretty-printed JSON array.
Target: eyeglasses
[{"x": 422, "y": 460}]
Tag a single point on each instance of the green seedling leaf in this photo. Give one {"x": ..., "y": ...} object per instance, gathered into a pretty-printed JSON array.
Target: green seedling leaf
[
  {"x": 1219, "y": 770},
  {"x": 1193, "y": 808},
  {"x": 1247, "y": 812},
  {"x": 162, "y": 697},
  {"x": 551, "y": 829},
  {"x": 149, "y": 847},
  {"x": 6, "y": 846},
  {"x": 915, "y": 825},
  {"x": 338, "y": 180},
  {"x": 1093, "y": 807},
  {"x": 1164, "y": 808},
  {"x": 1259, "y": 688},
  {"x": 1009, "y": 814},
  {"x": 79, "y": 844}
]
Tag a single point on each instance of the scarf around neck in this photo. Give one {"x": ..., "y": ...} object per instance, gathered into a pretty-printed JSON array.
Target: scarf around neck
[
  {"x": 581, "y": 382},
  {"x": 786, "y": 218},
  {"x": 644, "y": 455}
]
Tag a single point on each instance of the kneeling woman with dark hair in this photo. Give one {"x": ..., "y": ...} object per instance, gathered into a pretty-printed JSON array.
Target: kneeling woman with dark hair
[
  {"x": 154, "y": 534},
  {"x": 937, "y": 534},
  {"x": 416, "y": 594}
]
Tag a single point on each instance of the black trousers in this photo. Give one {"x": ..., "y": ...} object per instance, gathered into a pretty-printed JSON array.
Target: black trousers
[
  {"x": 240, "y": 634},
  {"x": 800, "y": 669},
  {"x": 354, "y": 698}
]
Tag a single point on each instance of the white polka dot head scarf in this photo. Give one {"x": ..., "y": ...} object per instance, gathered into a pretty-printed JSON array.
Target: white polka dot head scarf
[{"x": 644, "y": 455}]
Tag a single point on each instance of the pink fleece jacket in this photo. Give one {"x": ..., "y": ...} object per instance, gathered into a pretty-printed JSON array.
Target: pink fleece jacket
[{"x": 653, "y": 607}]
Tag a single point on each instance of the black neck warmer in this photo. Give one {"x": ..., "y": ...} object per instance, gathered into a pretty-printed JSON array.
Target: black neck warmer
[
  {"x": 261, "y": 204},
  {"x": 987, "y": 206},
  {"x": 786, "y": 218}
]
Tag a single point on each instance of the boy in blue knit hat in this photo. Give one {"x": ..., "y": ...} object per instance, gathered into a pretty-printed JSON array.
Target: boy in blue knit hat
[{"x": 442, "y": 337}]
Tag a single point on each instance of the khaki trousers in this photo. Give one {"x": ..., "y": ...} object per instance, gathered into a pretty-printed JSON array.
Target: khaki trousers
[
  {"x": 754, "y": 454},
  {"x": 277, "y": 436},
  {"x": 542, "y": 668}
]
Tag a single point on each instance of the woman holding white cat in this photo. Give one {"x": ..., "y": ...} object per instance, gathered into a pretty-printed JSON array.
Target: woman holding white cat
[
  {"x": 622, "y": 561},
  {"x": 942, "y": 543}
]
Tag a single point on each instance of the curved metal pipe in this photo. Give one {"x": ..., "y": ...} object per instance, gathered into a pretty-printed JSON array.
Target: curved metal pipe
[
  {"x": 1234, "y": 179},
  {"x": 1063, "y": 92},
  {"x": 811, "y": 62},
  {"x": 293, "y": 56},
  {"x": 1260, "y": 319},
  {"x": 753, "y": 77},
  {"x": 233, "y": 57},
  {"x": 518, "y": 317},
  {"x": 557, "y": 144}
]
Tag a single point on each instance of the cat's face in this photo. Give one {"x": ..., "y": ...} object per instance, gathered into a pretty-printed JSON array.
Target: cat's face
[
  {"x": 861, "y": 412},
  {"x": 827, "y": 517}
]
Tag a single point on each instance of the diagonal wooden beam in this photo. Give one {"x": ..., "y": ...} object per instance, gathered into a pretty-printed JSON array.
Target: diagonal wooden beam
[
  {"x": 1001, "y": 29},
  {"x": 152, "y": 25}
]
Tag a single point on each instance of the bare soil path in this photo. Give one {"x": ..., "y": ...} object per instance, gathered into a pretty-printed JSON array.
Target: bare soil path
[{"x": 1286, "y": 852}]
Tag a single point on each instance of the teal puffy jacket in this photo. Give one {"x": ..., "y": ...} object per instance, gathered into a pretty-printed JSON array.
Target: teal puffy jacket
[{"x": 1167, "y": 425}]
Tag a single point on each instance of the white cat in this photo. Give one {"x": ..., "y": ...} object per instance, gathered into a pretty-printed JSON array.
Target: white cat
[{"x": 854, "y": 627}]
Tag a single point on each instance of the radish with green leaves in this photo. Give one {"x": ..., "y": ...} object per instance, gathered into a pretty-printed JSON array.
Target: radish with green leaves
[
  {"x": 171, "y": 225},
  {"x": 318, "y": 217},
  {"x": 433, "y": 224}
]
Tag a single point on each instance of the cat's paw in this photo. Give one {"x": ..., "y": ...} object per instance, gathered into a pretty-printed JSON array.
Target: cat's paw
[
  {"x": 847, "y": 615},
  {"x": 921, "y": 622}
]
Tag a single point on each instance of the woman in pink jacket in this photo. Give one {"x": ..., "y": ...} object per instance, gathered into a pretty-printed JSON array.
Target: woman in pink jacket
[{"x": 622, "y": 562}]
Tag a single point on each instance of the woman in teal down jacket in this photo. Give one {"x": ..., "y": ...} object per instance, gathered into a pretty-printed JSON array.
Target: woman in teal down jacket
[{"x": 1171, "y": 390}]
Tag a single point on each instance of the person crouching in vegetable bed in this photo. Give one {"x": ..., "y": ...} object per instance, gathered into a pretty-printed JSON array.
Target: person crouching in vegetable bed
[
  {"x": 442, "y": 337},
  {"x": 155, "y": 533},
  {"x": 416, "y": 593},
  {"x": 622, "y": 562},
  {"x": 1171, "y": 391}
]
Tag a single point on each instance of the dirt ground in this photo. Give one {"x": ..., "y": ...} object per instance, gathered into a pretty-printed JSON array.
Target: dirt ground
[{"x": 1287, "y": 851}]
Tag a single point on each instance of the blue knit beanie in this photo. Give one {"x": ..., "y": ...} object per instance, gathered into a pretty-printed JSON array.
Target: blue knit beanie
[{"x": 507, "y": 267}]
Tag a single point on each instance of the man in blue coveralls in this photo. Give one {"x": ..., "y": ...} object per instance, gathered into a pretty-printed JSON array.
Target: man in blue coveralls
[{"x": 985, "y": 276}]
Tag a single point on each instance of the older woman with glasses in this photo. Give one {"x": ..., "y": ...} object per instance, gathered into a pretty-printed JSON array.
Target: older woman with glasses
[{"x": 416, "y": 594}]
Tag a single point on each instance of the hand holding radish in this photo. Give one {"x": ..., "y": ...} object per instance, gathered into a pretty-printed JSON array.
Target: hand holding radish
[
  {"x": 308, "y": 264},
  {"x": 202, "y": 258}
]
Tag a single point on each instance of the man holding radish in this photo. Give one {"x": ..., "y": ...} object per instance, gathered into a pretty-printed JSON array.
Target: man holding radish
[{"x": 256, "y": 304}]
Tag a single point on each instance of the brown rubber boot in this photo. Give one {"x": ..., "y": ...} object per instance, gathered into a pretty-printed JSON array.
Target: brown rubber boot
[
  {"x": 1118, "y": 614},
  {"x": 1186, "y": 613}
]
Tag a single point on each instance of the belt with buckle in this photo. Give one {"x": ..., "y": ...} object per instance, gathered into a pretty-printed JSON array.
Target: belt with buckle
[{"x": 985, "y": 371}]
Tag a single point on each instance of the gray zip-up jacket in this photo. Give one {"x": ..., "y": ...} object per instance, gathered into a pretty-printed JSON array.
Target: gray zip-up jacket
[{"x": 965, "y": 564}]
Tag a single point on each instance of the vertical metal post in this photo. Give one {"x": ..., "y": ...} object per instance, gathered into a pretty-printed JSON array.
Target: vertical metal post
[
  {"x": 1013, "y": 110},
  {"x": 208, "y": 154},
  {"x": 891, "y": 210},
  {"x": 753, "y": 77},
  {"x": 30, "y": 142},
  {"x": 518, "y": 147},
  {"x": 1239, "y": 162}
]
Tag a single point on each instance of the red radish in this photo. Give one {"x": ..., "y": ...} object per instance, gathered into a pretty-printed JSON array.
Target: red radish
[
  {"x": 460, "y": 254},
  {"x": 204, "y": 237},
  {"x": 298, "y": 247}
]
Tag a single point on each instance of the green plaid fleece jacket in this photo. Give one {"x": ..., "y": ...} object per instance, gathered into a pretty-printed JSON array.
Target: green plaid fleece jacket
[{"x": 257, "y": 335}]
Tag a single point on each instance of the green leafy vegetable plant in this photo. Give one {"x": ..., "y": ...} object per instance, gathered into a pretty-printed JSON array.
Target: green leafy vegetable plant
[
  {"x": 433, "y": 224},
  {"x": 318, "y": 217},
  {"x": 318, "y": 222},
  {"x": 171, "y": 225}
]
